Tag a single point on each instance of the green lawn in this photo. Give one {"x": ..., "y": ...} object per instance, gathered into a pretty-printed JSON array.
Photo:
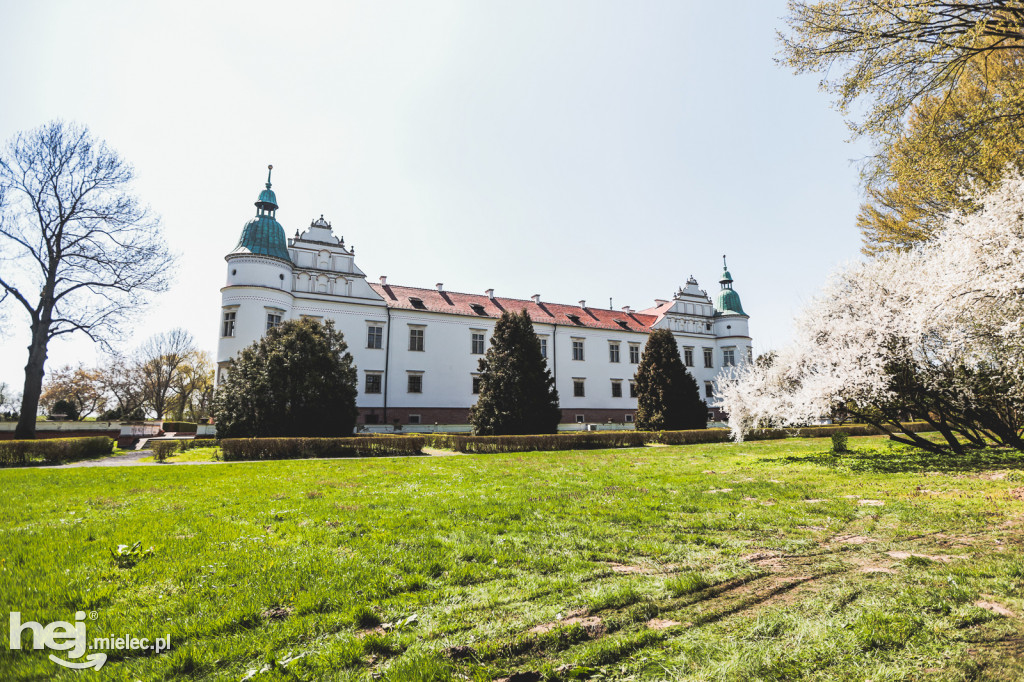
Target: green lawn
[{"x": 756, "y": 561}]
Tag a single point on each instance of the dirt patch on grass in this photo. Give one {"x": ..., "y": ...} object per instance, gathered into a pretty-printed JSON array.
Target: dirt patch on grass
[
  {"x": 871, "y": 503},
  {"x": 662, "y": 624},
  {"x": 994, "y": 607},
  {"x": 276, "y": 613},
  {"x": 942, "y": 558},
  {"x": 769, "y": 559},
  {"x": 1016, "y": 494},
  {"x": 592, "y": 624},
  {"x": 629, "y": 569},
  {"x": 852, "y": 540}
]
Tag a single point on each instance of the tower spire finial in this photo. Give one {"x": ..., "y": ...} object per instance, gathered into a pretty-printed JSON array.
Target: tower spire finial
[
  {"x": 270, "y": 167},
  {"x": 724, "y": 266}
]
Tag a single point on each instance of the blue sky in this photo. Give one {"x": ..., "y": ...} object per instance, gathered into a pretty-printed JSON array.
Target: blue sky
[{"x": 579, "y": 150}]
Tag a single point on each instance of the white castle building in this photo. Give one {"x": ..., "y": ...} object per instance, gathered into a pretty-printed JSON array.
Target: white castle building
[{"x": 417, "y": 350}]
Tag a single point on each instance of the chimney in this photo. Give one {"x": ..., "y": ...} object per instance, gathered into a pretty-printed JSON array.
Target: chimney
[
  {"x": 536, "y": 298},
  {"x": 583, "y": 304},
  {"x": 626, "y": 309},
  {"x": 383, "y": 280},
  {"x": 490, "y": 294},
  {"x": 440, "y": 286},
  {"x": 660, "y": 301}
]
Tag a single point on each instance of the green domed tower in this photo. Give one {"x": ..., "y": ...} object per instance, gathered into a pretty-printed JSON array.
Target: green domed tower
[
  {"x": 263, "y": 235},
  {"x": 728, "y": 301}
]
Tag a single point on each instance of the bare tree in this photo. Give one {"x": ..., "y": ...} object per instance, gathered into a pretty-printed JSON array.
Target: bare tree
[
  {"x": 79, "y": 250},
  {"x": 161, "y": 361},
  {"x": 121, "y": 379}
]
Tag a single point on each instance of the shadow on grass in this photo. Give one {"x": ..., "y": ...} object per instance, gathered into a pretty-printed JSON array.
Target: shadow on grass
[{"x": 902, "y": 459}]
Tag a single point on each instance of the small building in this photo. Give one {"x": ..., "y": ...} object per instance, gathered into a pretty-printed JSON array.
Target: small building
[{"x": 417, "y": 349}]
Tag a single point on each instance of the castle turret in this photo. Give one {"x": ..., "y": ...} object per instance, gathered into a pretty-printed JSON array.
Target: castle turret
[
  {"x": 728, "y": 301},
  {"x": 258, "y": 294}
]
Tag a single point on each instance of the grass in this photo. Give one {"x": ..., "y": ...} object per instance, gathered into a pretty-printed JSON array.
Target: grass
[{"x": 773, "y": 560}]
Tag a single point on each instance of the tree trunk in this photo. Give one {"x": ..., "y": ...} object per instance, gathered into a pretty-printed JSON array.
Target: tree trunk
[{"x": 34, "y": 371}]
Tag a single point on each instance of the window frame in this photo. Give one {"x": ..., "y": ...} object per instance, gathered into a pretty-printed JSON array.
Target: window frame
[
  {"x": 634, "y": 353},
  {"x": 375, "y": 332},
  {"x": 578, "y": 349},
  {"x": 379, "y": 376},
  {"x": 417, "y": 337}
]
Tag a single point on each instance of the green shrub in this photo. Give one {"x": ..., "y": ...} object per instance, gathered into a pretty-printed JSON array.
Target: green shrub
[
  {"x": 236, "y": 449},
  {"x": 53, "y": 450},
  {"x": 187, "y": 444},
  {"x": 163, "y": 448},
  {"x": 179, "y": 427},
  {"x": 839, "y": 440},
  {"x": 65, "y": 408}
]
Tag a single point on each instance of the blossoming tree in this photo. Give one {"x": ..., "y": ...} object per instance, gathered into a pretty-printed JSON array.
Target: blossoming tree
[{"x": 935, "y": 332}]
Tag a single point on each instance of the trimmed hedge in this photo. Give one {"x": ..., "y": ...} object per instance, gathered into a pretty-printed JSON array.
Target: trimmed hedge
[
  {"x": 238, "y": 449},
  {"x": 386, "y": 445},
  {"x": 593, "y": 440},
  {"x": 179, "y": 427},
  {"x": 53, "y": 450},
  {"x": 186, "y": 444}
]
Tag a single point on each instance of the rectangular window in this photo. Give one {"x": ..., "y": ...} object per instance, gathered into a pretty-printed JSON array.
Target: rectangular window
[
  {"x": 709, "y": 390},
  {"x": 580, "y": 418},
  {"x": 728, "y": 357},
  {"x": 577, "y": 388},
  {"x": 613, "y": 351},
  {"x": 229, "y": 323},
  {"x": 478, "y": 343},
  {"x": 415, "y": 338},
  {"x": 374, "y": 336},
  {"x": 750, "y": 354},
  {"x": 688, "y": 357},
  {"x": 544, "y": 347},
  {"x": 373, "y": 418},
  {"x": 616, "y": 388},
  {"x": 273, "y": 319},
  {"x": 577, "y": 349},
  {"x": 634, "y": 353},
  {"x": 373, "y": 383},
  {"x": 629, "y": 419},
  {"x": 415, "y": 383},
  {"x": 476, "y": 385},
  {"x": 708, "y": 358},
  {"x": 414, "y": 419},
  {"x": 632, "y": 389}
]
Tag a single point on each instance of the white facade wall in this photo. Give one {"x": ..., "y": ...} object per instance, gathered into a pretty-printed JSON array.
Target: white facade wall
[{"x": 323, "y": 282}]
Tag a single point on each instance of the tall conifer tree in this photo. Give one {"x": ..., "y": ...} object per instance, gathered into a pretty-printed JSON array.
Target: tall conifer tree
[
  {"x": 517, "y": 392},
  {"x": 667, "y": 395}
]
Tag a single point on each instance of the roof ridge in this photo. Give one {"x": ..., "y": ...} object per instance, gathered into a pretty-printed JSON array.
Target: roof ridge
[{"x": 507, "y": 298}]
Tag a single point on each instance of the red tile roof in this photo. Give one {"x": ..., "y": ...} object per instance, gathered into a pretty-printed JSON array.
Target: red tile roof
[{"x": 455, "y": 303}]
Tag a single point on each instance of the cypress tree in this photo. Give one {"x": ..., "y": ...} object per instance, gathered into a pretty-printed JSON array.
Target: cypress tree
[
  {"x": 298, "y": 380},
  {"x": 517, "y": 392},
  {"x": 668, "y": 398}
]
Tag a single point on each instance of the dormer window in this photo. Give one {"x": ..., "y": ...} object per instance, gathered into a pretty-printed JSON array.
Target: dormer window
[
  {"x": 575, "y": 319},
  {"x": 478, "y": 309},
  {"x": 622, "y": 323},
  {"x": 417, "y": 303}
]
